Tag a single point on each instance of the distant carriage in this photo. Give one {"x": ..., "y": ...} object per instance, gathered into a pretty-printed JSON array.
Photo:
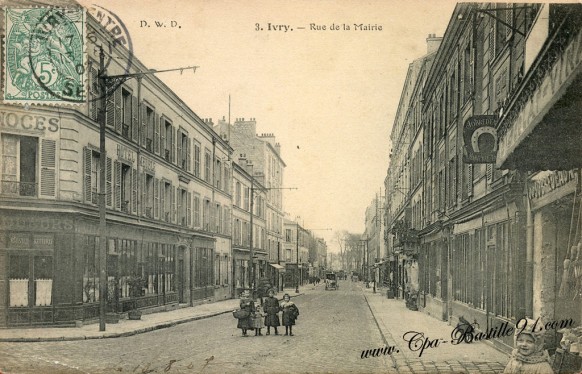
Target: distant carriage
[{"x": 331, "y": 281}]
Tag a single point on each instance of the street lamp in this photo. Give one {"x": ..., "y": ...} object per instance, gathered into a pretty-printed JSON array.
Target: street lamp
[{"x": 104, "y": 81}]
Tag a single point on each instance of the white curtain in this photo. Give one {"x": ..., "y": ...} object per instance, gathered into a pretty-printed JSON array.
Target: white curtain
[
  {"x": 18, "y": 292},
  {"x": 44, "y": 288}
]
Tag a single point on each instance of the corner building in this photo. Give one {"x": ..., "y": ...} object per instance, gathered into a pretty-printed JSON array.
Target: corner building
[{"x": 168, "y": 199}]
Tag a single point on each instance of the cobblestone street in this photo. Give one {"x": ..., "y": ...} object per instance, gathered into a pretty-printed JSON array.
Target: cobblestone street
[{"x": 333, "y": 329}]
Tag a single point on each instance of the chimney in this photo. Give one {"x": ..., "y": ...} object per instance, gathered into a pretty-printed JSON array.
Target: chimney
[
  {"x": 278, "y": 148},
  {"x": 433, "y": 43}
]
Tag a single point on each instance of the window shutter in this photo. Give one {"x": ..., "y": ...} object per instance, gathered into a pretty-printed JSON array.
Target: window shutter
[
  {"x": 179, "y": 147},
  {"x": 133, "y": 191},
  {"x": 156, "y": 198},
  {"x": 117, "y": 177},
  {"x": 156, "y": 134},
  {"x": 172, "y": 203},
  {"x": 47, "y": 168},
  {"x": 109, "y": 182},
  {"x": 162, "y": 200},
  {"x": 162, "y": 137},
  {"x": 134, "y": 123},
  {"x": 93, "y": 104},
  {"x": 489, "y": 173},
  {"x": 189, "y": 209},
  {"x": 188, "y": 160},
  {"x": 110, "y": 106},
  {"x": 87, "y": 157},
  {"x": 173, "y": 145},
  {"x": 470, "y": 180},
  {"x": 143, "y": 195},
  {"x": 143, "y": 128},
  {"x": 179, "y": 202},
  {"x": 118, "y": 120}
]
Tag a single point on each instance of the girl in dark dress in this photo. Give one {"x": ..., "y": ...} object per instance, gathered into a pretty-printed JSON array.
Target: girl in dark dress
[
  {"x": 246, "y": 303},
  {"x": 271, "y": 306},
  {"x": 290, "y": 313}
]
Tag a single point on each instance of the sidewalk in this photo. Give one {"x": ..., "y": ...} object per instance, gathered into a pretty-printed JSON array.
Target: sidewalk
[
  {"x": 148, "y": 322},
  {"x": 394, "y": 320}
]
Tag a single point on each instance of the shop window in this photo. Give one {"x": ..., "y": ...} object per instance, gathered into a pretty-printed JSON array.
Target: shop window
[
  {"x": 19, "y": 154},
  {"x": 30, "y": 280},
  {"x": 91, "y": 271}
]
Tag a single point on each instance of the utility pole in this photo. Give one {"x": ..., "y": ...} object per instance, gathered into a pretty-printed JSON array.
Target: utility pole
[{"x": 104, "y": 82}]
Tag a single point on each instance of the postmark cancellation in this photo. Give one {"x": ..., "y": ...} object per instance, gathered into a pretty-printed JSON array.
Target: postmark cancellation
[{"x": 45, "y": 61}]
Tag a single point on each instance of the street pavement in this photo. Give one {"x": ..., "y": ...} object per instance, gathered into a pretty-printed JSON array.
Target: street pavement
[
  {"x": 333, "y": 330},
  {"x": 395, "y": 320}
]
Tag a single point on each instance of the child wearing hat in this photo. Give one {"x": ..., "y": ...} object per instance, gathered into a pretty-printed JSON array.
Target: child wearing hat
[{"x": 529, "y": 355}]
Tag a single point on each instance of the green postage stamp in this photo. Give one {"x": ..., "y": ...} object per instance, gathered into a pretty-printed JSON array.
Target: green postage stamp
[{"x": 45, "y": 56}]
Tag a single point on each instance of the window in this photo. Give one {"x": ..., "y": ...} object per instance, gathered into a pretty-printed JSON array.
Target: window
[
  {"x": 126, "y": 113},
  {"x": 468, "y": 73},
  {"x": 246, "y": 201},
  {"x": 288, "y": 234},
  {"x": 196, "y": 211},
  {"x": 167, "y": 201},
  {"x": 183, "y": 150},
  {"x": 19, "y": 171},
  {"x": 207, "y": 166},
  {"x": 30, "y": 280},
  {"x": 206, "y": 215},
  {"x": 91, "y": 270},
  {"x": 218, "y": 219},
  {"x": 197, "y": 159},
  {"x": 150, "y": 128},
  {"x": 237, "y": 194},
  {"x": 126, "y": 188},
  {"x": 149, "y": 196},
  {"x": 167, "y": 141},
  {"x": 218, "y": 174}
]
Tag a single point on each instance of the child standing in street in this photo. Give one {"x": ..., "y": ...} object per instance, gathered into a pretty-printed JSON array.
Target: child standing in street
[
  {"x": 271, "y": 306},
  {"x": 290, "y": 313},
  {"x": 528, "y": 356},
  {"x": 258, "y": 320}
]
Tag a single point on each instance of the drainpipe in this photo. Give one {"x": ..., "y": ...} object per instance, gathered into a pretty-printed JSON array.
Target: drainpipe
[{"x": 529, "y": 240}]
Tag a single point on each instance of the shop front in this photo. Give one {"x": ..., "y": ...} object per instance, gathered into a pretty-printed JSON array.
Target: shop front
[
  {"x": 50, "y": 269},
  {"x": 540, "y": 135}
]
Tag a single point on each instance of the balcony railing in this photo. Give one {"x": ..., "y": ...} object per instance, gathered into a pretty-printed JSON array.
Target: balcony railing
[
  {"x": 125, "y": 206},
  {"x": 19, "y": 188},
  {"x": 149, "y": 212},
  {"x": 149, "y": 145},
  {"x": 167, "y": 154}
]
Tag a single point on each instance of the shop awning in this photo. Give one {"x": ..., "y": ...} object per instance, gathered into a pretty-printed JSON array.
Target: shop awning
[{"x": 278, "y": 267}]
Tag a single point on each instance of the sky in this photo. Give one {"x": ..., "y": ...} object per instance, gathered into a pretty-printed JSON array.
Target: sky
[{"x": 329, "y": 95}]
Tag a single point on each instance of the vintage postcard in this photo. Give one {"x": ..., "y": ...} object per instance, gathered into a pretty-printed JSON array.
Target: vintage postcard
[{"x": 290, "y": 187}]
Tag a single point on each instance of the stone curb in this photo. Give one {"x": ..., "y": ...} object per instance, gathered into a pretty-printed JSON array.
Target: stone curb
[
  {"x": 161, "y": 325},
  {"x": 394, "y": 362}
]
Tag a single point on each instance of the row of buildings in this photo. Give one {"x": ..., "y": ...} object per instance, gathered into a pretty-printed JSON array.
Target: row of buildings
[
  {"x": 187, "y": 202},
  {"x": 483, "y": 209}
]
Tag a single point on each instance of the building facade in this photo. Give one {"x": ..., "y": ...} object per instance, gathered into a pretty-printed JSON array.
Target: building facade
[
  {"x": 268, "y": 167},
  {"x": 485, "y": 228},
  {"x": 245, "y": 190},
  {"x": 168, "y": 200},
  {"x": 376, "y": 246}
]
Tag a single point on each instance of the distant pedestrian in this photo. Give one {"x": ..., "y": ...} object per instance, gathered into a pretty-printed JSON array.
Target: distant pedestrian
[
  {"x": 290, "y": 314},
  {"x": 271, "y": 305},
  {"x": 246, "y": 304}
]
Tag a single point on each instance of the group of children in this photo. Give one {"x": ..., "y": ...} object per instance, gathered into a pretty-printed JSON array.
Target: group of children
[{"x": 267, "y": 315}]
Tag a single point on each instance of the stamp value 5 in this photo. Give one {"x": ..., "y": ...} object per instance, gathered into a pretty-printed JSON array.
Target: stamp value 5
[{"x": 45, "y": 56}]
